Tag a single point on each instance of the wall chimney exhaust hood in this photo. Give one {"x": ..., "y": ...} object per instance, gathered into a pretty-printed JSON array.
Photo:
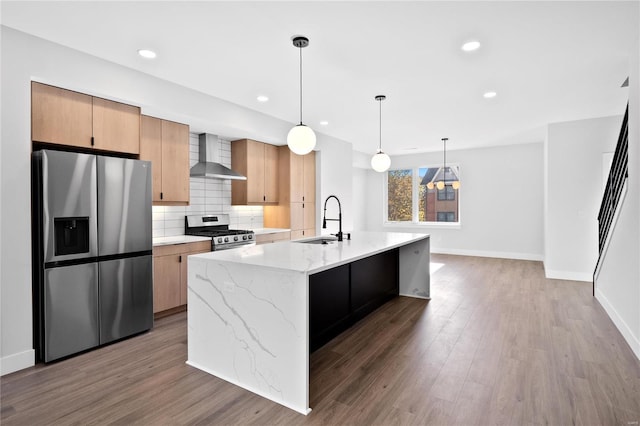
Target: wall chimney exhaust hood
[{"x": 208, "y": 165}]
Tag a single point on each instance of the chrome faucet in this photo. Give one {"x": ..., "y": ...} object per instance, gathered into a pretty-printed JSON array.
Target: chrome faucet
[{"x": 339, "y": 219}]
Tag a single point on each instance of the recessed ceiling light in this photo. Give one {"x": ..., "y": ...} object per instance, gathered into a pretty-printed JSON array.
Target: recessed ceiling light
[
  {"x": 470, "y": 46},
  {"x": 146, "y": 53},
  {"x": 262, "y": 98},
  {"x": 489, "y": 95},
  {"x": 324, "y": 123}
]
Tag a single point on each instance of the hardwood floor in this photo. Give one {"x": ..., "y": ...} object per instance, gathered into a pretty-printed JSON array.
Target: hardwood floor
[{"x": 497, "y": 344}]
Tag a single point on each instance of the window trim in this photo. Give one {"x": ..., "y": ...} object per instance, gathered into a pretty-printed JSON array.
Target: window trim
[{"x": 415, "y": 223}]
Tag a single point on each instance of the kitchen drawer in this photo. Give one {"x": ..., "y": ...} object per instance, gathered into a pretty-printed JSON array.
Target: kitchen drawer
[
  {"x": 170, "y": 249},
  {"x": 273, "y": 237}
]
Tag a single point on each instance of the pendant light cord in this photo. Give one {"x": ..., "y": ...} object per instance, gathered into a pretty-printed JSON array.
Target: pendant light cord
[
  {"x": 300, "y": 48},
  {"x": 380, "y": 128},
  {"x": 444, "y": 168}
]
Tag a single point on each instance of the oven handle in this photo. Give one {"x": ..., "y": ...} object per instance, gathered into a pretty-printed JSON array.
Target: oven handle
[{"x": 232, "y": 246}]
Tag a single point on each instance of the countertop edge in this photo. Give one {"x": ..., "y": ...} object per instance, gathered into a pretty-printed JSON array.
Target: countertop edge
[{"x": 206, "y": 257}]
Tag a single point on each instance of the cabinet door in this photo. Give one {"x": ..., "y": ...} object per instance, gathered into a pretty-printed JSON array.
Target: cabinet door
[
  {"x": 175, "y": 162},
  {"x": 60, "y": 116},
  {"x": 309, "y": 177},
  {"x": 309, "y": 215},
  {"x": 297, "y": 217},
  {"x": 296, "y": 235},
  {"x": 374, "y": 280},
  {"x": 296, "y": 177},
  {"x": 329, "y": 306},
  {"x": 167, "y": 276},
  {"x": 270, "y": 173},
  {"x": 151, "y": 150},
  {"x": 255, "y": 172},
  {"x": 116, "y": 126},
  {"x": 184, "y": 275}
]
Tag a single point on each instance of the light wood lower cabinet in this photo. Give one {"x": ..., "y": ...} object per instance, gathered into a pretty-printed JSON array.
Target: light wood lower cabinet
[
  {"x": 273, "y": 237},
  {"x": 170, "y": 273}
]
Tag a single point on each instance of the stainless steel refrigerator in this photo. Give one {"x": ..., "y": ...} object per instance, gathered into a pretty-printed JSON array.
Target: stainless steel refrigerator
[{"x": 92, "y": 251}]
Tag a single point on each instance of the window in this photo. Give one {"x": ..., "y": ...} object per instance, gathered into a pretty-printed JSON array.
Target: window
[
  {"x": 413, "y": 195},
  {"x": 446, "y": 217},
  {"x": 448, "y": 193}
]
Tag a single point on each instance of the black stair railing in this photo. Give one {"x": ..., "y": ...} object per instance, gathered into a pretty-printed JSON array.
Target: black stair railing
[{"x": 618, "y": 173}]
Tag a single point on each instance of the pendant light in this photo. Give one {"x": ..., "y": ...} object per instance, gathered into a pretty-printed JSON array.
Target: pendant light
[
  {"x": 380, "y": 162},
  {"x": 301, "y": 139},
  {"x": 455, "y": 184}
]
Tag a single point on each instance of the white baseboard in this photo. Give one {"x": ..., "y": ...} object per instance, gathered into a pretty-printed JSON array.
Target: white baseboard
[
  {"x": 567, "y": 275},
  {"x": 482, "y": 253},
  {"x": 19, "y": 361},
  {"x": 632, "y": 340}
]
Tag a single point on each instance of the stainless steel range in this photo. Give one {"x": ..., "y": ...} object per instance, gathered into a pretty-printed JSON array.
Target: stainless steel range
[{"x": 216, "y": 226}]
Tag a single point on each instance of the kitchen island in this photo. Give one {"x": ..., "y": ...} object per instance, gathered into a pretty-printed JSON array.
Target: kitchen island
[{"x": 249, "y": 308}]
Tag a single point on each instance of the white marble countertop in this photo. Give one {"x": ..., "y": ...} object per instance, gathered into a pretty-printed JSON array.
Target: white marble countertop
[
  {"x": 178, "y": 239},
  {"x": 262, "y": 231},
  {"x": 313, "y": 258}
]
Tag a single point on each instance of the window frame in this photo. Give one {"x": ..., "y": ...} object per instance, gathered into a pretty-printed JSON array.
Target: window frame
[{"x": 415, "y": 183}]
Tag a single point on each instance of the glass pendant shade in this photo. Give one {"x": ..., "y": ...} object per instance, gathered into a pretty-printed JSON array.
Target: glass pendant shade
[
  {"x": 301, "y": 139},
  {"x": 380, "y": 162}
]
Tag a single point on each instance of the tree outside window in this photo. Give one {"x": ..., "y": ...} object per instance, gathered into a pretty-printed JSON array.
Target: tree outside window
[{"x": 399, "y": 184}]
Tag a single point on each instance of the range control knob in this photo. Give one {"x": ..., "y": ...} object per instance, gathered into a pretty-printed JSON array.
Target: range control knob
[
  {"x": 235, "y": 238},
  {"x": 250, "y": 237},
  {"x": 226, "y": 239},
  {"x": 244, "y": 237},
  {"x": 219, "y": 239}
]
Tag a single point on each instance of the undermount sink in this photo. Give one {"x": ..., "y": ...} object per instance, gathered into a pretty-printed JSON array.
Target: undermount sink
[{"x": 318, "y": 240}]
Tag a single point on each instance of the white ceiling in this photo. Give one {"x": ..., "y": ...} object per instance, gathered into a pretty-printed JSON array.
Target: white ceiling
[{"x": 548, "y": 61}]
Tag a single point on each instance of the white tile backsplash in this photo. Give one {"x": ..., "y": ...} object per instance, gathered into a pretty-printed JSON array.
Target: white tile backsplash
[{"x": 207, "y": 196}]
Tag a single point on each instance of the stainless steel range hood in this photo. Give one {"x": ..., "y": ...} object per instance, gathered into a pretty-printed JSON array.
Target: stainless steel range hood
[{"x": 208, "y": 165}]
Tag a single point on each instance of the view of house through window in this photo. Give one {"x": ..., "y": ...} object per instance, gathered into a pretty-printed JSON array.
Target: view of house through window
[{"x": 426, "y": 194}]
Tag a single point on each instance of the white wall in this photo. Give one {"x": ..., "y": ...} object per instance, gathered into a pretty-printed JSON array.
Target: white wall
[
  {"x": 617, "y": 285},
  {"x": 24, "y": 58},
  {"x": 573, "y": 194},
  {"x": 500, "y": 201}
]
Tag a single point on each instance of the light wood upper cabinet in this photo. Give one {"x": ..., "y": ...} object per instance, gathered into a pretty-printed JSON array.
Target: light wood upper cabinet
[
  {"x": 151, "y": 150},
  {"x": 175, "y": 162},
  {"x": 116, "y": 126},
  {"x": 297, "y": 176},
  {"x": 65, "y": 117},
  {"x": 271, "y": 165},
  {"x": 259, "y": 163},
  {"x": 166, "y": 145},
  {"x": 61, "y": 116},
  {"x": 297, "y": 185}
]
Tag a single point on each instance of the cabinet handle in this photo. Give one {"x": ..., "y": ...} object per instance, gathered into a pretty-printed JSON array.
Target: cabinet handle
[
  {"x": 264, "y": 198},
  {"x": 161, "y": 195},
  {"x": 303, "y": 198},
  {"x": 180, "y": 259},
  {"x": 92, "y": 141}
]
